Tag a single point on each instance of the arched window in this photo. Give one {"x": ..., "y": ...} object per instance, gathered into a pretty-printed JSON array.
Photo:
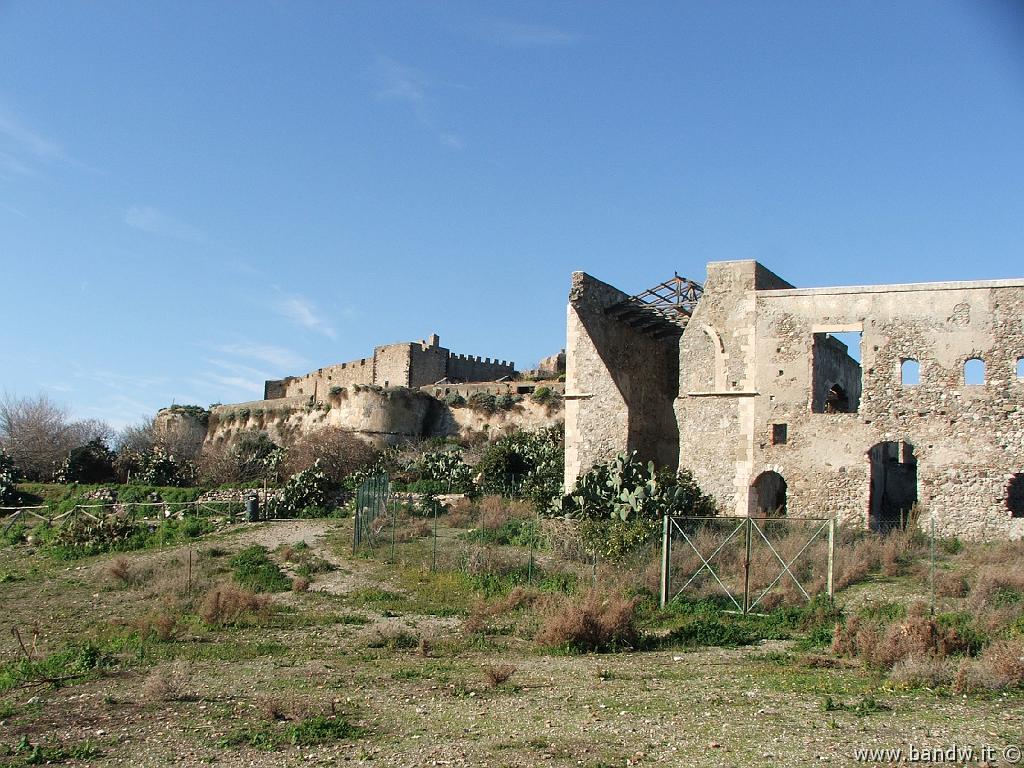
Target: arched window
[
  {"x": 974, "y": 371},
  {"x": 910, "y": 372},
  {"x": 768, "y": 495}
]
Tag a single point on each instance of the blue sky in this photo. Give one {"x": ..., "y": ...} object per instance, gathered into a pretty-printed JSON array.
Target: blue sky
[{"x": 198, "y": 195}]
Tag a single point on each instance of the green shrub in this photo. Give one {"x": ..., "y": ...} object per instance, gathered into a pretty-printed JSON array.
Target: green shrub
[
  {"x": 454, "y": 400},
  {"x": 526, "y": 465},
  {"x": 89, "y": 463},
  {"x": 483, "y": 402},
  {"x": 447, "y": 469},
  {"x": 622, "y": 502},
  {"x": 309, "y": 489},
  {"x": 8, "y": 480},
  {"x": 546, "y": 396},
  {"x": 254, "y": 570},
  {"x": 505, "y": 402}
]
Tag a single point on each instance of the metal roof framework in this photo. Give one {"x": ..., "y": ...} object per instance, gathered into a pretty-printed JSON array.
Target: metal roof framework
[{"x": 662, "y": 311}]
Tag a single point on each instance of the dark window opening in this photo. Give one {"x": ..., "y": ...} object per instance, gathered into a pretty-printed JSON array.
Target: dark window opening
[
  {"x": 893, "y": 491},
  {"x": 836, "y": 400},
  {"x": 1015, "y": 496},
  {"x": 836, "y": 378},
  {"x": 974, "y": 372},
  {"x": 768, "y": 495},
  {"x": 910, "y": 372},
  {"x": 779, "y": 434}
]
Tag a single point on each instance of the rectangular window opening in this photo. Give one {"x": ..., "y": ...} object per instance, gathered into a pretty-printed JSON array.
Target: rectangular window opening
[
  {"x": 780, "y": 433},
  {"x": 836, "y": 378}
]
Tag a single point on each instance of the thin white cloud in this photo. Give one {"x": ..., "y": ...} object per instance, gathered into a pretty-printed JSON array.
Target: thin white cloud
[
  {"x": 521, "y": 35},
  {"x": 278, "y": 357},
  {"x": 20, "y": 135},
  {"x": 13, "y": 210},
  {"x": 120, "y": 382},
  {"x": 304, "y": 313},
  {"x": 237, "y": 382},
  {"x": 156, "y": 222},
  {"x": 394, "y": 81}
]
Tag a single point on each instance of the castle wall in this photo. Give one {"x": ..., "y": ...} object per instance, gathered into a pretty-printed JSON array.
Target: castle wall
[
  {"x": 391, "y": 365},
  {"x": 318, "y": 384},
  {"x": 469, "y": 368},
  {"x": 428, "y": 363},
  {"x": 406, "y": 364}
]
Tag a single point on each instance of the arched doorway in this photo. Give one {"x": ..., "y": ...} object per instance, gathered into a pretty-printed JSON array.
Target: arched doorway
[
  {"x": 893, "y": 490},
  {"x": 768, "y": 495}
]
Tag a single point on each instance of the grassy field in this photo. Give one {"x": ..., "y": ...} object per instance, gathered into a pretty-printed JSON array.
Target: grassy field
[{"x": 270, "y": 644}]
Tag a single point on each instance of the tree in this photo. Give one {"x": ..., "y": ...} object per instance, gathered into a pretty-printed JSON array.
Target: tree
[
  {"x": 8, "y": 479},
  {"x": 339, "y": 453},
  {"x": 253, "y": 456},
  {"x": 89, "y": 463}
]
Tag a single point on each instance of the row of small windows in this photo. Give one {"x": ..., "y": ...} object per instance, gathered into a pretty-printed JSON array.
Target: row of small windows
[{"x": 974, "y": 371}]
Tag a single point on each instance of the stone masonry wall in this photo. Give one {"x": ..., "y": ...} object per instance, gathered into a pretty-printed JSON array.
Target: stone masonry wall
[
  {"x": 968, "y": 439},
  {"x": 620, "y": 385}
]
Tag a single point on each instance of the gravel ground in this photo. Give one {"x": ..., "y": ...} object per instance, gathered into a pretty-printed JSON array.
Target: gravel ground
[{"x": 432, "y": 705}]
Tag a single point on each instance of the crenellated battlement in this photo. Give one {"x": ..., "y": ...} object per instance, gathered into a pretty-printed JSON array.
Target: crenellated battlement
[{"x": 406, "y": 364}]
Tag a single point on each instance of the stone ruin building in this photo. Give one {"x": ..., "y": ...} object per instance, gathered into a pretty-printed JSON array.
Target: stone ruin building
[
  {"x": 411, "y": 364},
  {"x": 752, "y": 384}
]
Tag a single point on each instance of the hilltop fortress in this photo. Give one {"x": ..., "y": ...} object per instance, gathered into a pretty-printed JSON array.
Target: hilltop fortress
[
  {"x": 404, "y": 391},
  {"x": 411, "y": 364}
]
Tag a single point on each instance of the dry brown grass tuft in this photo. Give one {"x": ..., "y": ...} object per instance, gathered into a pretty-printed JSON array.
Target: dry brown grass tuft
[
  {"x": 1000, "y": 666},
  {"x": 590, "y": 622},
  {"x": 482, "y": 613},
  {"x": 163, "y": 622},
  {"x": 950, "y": 584},
  {"x": 928, "y": 671},
  {"x": 917, "y": 637},
  {"x": 498, "y": 674},
  {"x": 300, "y": 584},
  {"x": 227, "y": 604},
  {"x": 167, "y": 683},
  {"x": 462, "y": 514}
]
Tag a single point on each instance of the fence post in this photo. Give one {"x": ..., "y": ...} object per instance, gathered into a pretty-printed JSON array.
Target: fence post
[
  {"x": 831, "y": 558},
  {"x": 666, "y": 559},
  {"x": 931, "y": 577},
  {"x": 394, "y": 525},
  {"x": 433, "y": 557},
  {"x": 746, "y": 566},
  {"x": 355, "y": 519}
]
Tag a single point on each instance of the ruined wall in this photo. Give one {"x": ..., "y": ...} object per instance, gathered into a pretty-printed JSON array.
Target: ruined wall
[
  {"x": 553, "y": 363},
  {"x": 620, "y": 384},
  {"x": 967, "y": 440},
  {"x": 715, "y": 409}
]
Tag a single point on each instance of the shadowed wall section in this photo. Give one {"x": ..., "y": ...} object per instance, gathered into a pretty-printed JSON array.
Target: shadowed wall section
[{"x": 621, "y": 384}]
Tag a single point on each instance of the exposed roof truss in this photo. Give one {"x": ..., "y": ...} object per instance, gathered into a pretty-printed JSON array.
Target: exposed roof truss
[{"x": 662, "y": 311}]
